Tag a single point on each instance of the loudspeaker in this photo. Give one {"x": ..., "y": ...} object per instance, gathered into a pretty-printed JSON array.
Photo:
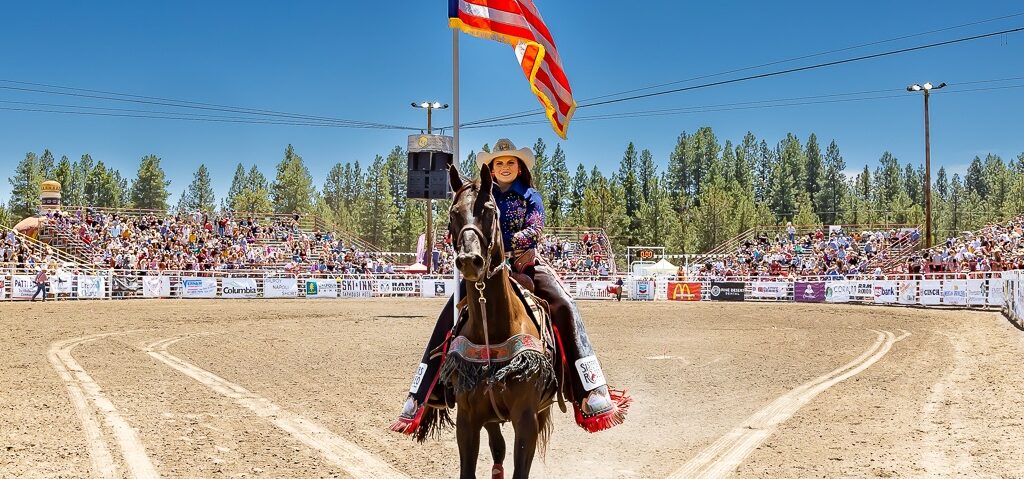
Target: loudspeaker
[{"x": 428, "y": 175}]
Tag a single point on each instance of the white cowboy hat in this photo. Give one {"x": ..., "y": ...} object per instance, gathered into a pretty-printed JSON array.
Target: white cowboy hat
[{"x": 504, "y": 147}]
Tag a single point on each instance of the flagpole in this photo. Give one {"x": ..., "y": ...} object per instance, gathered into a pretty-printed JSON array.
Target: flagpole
[{"x": 455, "y": 149}]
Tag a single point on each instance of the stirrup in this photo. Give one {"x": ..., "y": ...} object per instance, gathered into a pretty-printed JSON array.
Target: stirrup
[{"x": 602, "y": 409}]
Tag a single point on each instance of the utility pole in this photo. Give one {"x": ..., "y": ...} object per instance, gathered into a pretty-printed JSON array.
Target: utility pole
[
  {"x": 428, "y": 254},
  {"x": 927, "y": 88}
]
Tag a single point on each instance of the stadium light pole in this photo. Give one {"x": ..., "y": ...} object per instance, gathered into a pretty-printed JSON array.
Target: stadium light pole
[
  {"x": 927, "y": 88},
  {"x": 428, "y": 254}
]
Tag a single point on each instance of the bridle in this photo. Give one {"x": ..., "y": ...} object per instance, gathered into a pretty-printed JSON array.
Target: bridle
[{"x": 480, "y": 286}]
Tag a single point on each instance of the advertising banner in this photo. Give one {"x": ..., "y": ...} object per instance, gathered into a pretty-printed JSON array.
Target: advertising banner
[
  {"x": 156, "y": 287},
  {"x": 643, "y": 290},
  {"x": 356, "y": 288},
  {"x": 885, "y": 292},
  {"x": 23, "y": 287},
  {"x": 954, "y": 291},
  {"x": 907, "y": 292},
  {"x": 931, "y": 292},
  {"x": 280, "y": 288},
  {"x": 197, "y": 287},
  {"x": 594, "y": 290},
  {"x": 237, "y": 288},
  {"x": 995, "y": 292},
  {"x": 396, "y": 287},
  {"x": 437, "y": 288},
  {"x": 125, "y": 285},
  {"x": 768, "y": 289},
  {"x": 977, "y": 292},
  {"x": 683, "y": 291},
  {"x": 92, "y": 287},
  {"x": 809, "y": 292},
  {"x": 862, "y": 290},
  {"x": 322, "y": 288},
  {"x": 727, "y": 291},
  {"x": 62, "y": 284},
  {"x": 838, "y": 291},
  {"x": 3, "y": 286}
]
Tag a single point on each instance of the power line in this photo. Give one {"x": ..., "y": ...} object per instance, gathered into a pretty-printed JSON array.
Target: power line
[
  {"x": 768, "y": 74},
  {"x": 777, "y": 62},
  {"x": 759, "y": 104},
  {"x": 209, "y": 118},
  {"x": 114, "y": 96}
]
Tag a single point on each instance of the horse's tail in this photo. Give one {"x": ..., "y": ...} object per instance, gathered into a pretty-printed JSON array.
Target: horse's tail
[{"x": 545, "y": 427}]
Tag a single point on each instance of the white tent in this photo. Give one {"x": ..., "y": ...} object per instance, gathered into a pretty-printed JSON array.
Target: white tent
[{"x": 663, "y": 267}]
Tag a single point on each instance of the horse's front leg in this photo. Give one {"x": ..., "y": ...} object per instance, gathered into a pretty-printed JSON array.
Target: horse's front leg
[
  {"x": 497, "y": 443},
  {"x": 468, "y": 435},
  {"x": 527, "y": 429}
]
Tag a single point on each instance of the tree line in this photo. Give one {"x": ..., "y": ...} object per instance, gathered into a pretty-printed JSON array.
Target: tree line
[{"x": 705, "y": 193}]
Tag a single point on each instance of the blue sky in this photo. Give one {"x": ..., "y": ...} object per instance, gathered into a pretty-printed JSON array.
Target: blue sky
[{"x": 362, "y": 61}]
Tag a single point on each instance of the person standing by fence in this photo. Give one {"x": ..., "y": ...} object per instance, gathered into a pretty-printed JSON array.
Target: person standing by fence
[{"x": 41, "y": 279}]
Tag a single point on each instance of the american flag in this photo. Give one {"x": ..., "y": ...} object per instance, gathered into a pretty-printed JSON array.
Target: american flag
[{"x": 518, "y": 23}]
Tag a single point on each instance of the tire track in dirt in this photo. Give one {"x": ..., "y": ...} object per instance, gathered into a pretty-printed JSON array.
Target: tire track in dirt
[
  {"x": 348, "y": 456},
  {"x": 723, "y": 456},
  {"x": 83, "y": 390}
]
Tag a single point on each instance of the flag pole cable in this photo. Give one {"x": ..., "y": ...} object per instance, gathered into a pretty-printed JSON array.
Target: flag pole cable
[{"x": 455, "y": 149}]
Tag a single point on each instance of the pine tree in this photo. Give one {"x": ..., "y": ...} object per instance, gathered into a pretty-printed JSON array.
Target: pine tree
[
  {"x": 46, "y": 164},
  {"x": 199, "y": 194},
  {"x": 627, "y": 178},
  {"x": 705, "y": 149},
  {"x": 763, "y": 167},
  {"x": 254, "y": 196},
  {"x": 727, "y": 165},
  {"x": 942, "y": 184},
  {"x": 558, "y": 197},
  {"x": 292, "y": 190},
  {"x": 82, "y": 169},
  {"x": 680, "y": 182},
  {"x": 975, "y": 182},
  {"x": 658, "y": 219},
  {"x": 746, "y": 156},
  {"x": 577, "y": 195},
  {"x": 833, "y": 186},
  {"x": 149, "y": 190},
  {"x": 103, "y": 188},
  {"x": 468, "y": 168},
  {"x": 238, "y": 184},
  {"x": 540, "y": 167},
  {"x": 5, "y": 217},
  {"x": 333, "y": 193},
  {"x": 63, "y": 173},
  {"x": 378, "y": 208},
  {"x": 409, "y": 216},
  {"x": 815, "y": 169},
  {"x": 26, "y": 186}
]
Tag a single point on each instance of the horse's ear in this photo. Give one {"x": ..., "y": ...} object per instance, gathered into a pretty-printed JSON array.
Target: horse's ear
[
  {"x": 454, "y": 178},
  {"x": 486, "y": 182}
]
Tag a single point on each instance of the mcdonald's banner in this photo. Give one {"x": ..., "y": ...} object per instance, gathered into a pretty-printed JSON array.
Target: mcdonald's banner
[{"x": 678, "y": 291}]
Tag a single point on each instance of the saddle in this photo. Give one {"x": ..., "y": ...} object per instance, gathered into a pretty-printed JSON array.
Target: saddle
[{"x": 509, "y": 351}]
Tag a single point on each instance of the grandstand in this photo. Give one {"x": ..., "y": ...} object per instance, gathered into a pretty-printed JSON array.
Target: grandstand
[
  {"x": 578, "y": 251},
  {"x": 813, "y": 250}
]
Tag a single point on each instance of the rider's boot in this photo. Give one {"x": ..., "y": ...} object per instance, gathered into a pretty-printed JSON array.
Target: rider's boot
[
  {"x": 427, "y": 396},
  {"x": 597, "y": 407}
]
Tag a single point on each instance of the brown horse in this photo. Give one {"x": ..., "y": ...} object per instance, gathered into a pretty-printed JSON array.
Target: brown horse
[{"x": 509, "y": 378}]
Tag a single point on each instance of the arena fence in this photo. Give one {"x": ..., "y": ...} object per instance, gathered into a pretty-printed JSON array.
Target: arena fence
[{"x": 1003, "y": 291}]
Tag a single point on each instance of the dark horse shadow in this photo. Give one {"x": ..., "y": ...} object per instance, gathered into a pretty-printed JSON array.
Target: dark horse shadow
[{"x": 499, "y": 366}]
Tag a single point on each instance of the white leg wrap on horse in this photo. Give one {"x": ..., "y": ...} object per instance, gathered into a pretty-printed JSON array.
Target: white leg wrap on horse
[{"x": 417, "y": 379}]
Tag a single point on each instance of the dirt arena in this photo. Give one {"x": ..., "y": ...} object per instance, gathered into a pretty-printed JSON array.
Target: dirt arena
[{"x": 304, "y": 389}]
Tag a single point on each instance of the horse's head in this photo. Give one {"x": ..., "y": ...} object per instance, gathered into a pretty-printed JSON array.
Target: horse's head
[{"x": 473, "y": 224}]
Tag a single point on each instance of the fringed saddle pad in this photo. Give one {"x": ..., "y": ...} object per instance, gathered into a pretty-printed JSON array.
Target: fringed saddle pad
[{"x": 500, "y": 353}]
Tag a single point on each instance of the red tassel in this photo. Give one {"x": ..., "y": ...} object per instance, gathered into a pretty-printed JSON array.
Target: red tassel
[
  {"x": 497, "y": 471},
  {"x": 608, "y": 419},
  {"x": 408, "y": 426}
]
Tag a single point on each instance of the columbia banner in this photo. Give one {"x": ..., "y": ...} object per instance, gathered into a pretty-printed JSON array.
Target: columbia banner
[
  {"x": 518, "y": 23},
  {"x": 683, "y": 291}
]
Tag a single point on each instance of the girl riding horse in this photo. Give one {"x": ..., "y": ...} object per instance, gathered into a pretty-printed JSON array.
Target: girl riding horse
[{"x": 597, "y": 407}]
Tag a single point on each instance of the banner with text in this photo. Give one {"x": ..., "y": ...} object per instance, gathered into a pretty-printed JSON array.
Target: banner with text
[
  {"x": 885, "y": 292},
  {"x": 727, "y": 291},
  {"x": 643, "y": 290},
  {"x": 396, "y": 287},
  {"x": 198, "y": 287},
  {"x": 954, "y": 292},
  {"x": 92, "y": 287},
  {"x": 280, "y": 288},
  {"x": 22, "y": 287},
  {"x": 931, "y": 292},
  {"x": 768, "y": 289},
  {"x": 907, "y": 291},
  {"x": 838, "y": 291},
  {"x": 238, "y": 288},
  {"x": 321, "y": 288},
  {"x": 356, "y": 288},
  {"x": 594, "y": 290}
]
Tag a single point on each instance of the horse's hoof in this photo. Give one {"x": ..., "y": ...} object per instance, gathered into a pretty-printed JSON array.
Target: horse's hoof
[{"x": 497, "y": 472}]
